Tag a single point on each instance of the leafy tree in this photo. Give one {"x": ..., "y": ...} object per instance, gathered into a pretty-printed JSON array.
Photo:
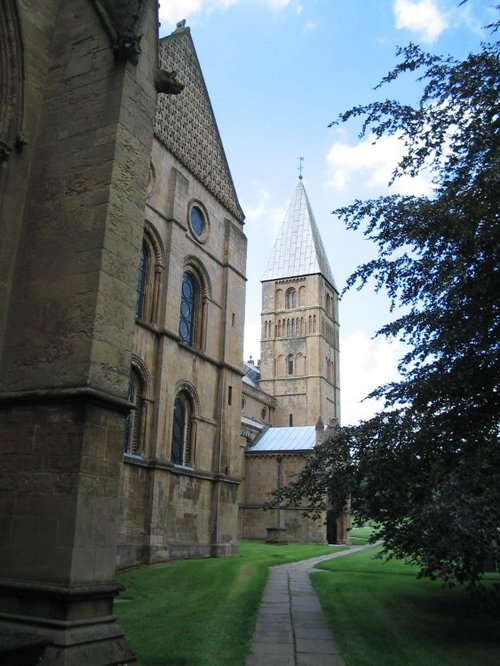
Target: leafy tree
[{"x": 427, "y": 467}]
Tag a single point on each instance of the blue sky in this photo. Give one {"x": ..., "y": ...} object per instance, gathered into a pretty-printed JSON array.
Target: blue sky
[{"x": 278, "y": 72}]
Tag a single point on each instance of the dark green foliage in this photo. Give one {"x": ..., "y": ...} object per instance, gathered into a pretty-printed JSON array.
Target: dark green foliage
[{"x": 426, "y": 469}]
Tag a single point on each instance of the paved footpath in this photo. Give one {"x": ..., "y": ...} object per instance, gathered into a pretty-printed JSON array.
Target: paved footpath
[{"x": 291, "y": 628}]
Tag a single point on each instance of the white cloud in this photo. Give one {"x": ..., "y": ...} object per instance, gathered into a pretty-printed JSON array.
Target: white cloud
[
  {"x": 252, "y": 339},
  {"x": 277, "y": 4},
  {"x": 365, "y": 364},
  {"x": 420, "y": 16},
  {"x": 368, "y": 166},
  {"x": 172, "y": 11},
  {"x": 310, "y": 25},
  {"x": 264, "y": 215},
  {"x": 264, "y": 219}
]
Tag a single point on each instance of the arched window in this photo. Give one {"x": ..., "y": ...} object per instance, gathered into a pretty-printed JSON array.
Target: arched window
[
  {"x": 151, "y": 263},
  {"x": 300, "y": 365},
  {"x": 142, "y": 280},
  {"x": 194, "y": 305},
  {"x": 280, "y": 366},
  {"x": 289, "y": 364},
  {"x": 132, "y": 439},
  {"x": 13, "y": 77},
  {"x": 290, "y": 298},
  {"x": 189, "y": 304},
  {"x": 182, "y": 430}
]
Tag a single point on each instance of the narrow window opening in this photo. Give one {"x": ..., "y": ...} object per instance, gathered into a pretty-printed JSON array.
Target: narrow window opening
[
  {"x": 132, "y": 439},
  {"x": 188, "y": 309},
  {"x": 141, "y": 282},
  {"x": 291, "y": 299},
  {"x": 182, "y": 431}
]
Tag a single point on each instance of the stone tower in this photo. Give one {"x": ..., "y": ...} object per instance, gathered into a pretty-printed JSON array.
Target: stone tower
[{"x": 300, "y": 328}]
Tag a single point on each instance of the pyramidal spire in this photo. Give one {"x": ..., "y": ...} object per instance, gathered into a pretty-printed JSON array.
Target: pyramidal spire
[{"x": 298, "y": 249}]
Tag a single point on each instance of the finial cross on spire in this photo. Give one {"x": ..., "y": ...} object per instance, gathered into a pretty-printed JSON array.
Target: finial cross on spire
[{"x": 301, "y": 166}]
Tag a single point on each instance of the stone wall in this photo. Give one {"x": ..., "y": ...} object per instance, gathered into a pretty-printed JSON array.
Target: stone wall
[
  {"x": 71, "y": 214},
  {"x": 169, "y": 510},
  {"x": 309, "y": 334},
  {"x": 261, "y": 477}
]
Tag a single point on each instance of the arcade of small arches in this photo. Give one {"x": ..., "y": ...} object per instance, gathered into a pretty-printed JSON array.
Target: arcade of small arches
[
  {"x": 295, "y": 365},
  {"x": 291, "y": 298},
  {"x": 290, "y": 327}
]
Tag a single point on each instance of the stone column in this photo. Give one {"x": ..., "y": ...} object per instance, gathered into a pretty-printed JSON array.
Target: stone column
[{"x": 65, "y": 358}]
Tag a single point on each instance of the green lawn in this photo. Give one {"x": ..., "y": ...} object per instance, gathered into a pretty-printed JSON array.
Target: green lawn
[
  {"x": 360, "y": 535},
  {"x": 382, "y": 616},
  {"x": 200, "y": 612}
]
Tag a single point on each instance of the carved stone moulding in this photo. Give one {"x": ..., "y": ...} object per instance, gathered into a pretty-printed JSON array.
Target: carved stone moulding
[
  {"x": 11, "y": 80},
  {"x": 5, "y": 151},
  {"x": 123, "y": 20}
]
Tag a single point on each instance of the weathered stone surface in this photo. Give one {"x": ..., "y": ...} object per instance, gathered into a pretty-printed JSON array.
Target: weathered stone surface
[
  {"x": 298, "y": 378},
  {"x": 190, "y": 510},
  {"x": 71, "y": 214}
]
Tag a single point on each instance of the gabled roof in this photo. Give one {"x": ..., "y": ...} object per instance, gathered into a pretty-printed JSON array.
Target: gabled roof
[
  {"x": 298, "y": 249},
  {"x": 251, "y": 374},
  {"x": 294, "y": 439},
  {"x": 252, "y": 423},
  {"x": 186, "y": 125}
]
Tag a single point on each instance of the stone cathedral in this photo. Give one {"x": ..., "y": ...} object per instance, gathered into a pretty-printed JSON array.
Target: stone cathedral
[
  {"x": 127, "y": 435},
  {"x": 294, "y": 392}
]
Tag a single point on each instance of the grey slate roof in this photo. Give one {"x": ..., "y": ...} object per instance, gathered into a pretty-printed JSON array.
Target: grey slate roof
[
  {"x": 251, "y": 374},
  {"x": 292, "y": 439},
  {"x": 257, "y": 425},
  {"x": 298, "y": 249},
  {"x": 186, "y": 125}
]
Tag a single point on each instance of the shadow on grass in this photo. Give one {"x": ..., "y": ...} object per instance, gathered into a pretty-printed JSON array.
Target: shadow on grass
[
  {"x": 162, "y": 662},
  {"x": 200, "y": 612},
  {"x": 382, "y": 615}
]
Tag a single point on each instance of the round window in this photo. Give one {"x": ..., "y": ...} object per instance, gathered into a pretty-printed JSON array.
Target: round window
[
  {"x": 197, "y": 220},
  {"x": 264, "y": 413}
]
